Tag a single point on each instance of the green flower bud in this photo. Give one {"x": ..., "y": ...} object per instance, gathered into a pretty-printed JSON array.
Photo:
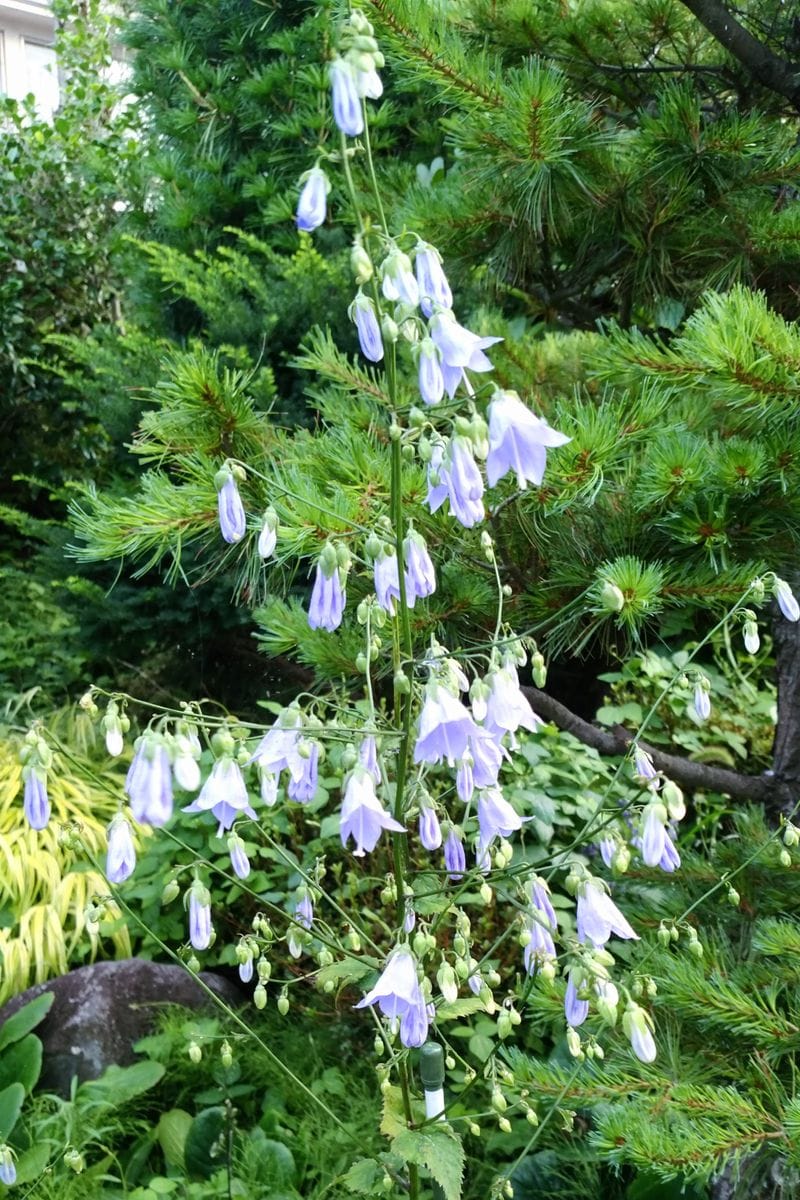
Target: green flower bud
[
  {"x": 74, "y": 1160},
  {"x": 283, "y": 1003},
  {"x": 226, "y": 1055},
  {"x": 170, "y": 891},
  {"x": 360, "y": 264},
  {"x": 260, "y": 996},
  {"x": 195, "y": 1053}
]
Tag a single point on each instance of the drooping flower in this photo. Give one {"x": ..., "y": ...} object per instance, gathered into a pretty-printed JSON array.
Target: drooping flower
[
  {"x": 232, "y": 519},
  {"x": 429, "y": 373},
  {"x": 363, "y": 817},
  {"x": 670, "y": 859},
  {"x": 541, "y": 928},
  {"x": 268, "y": 538},
  {"x": 638, "y": 1028},
  {"x": 445, "y": 727},
  {"x": 277, "y": 749},
  {"x": 455, "y": 859},
  {"x": 115, "y": 742},
  {"x": 328, "y": 597},
  {"x": 506, "y": 706},
  {"x": 185, "y": 766},
  {"x": 246, "y": 970},
  {"x": 751, "y": 639},
  {"x": 368, "y": 757},
  {"x": 576, "y": 1010},
  {"x": 362, "y": 311},
  {"x": 304, "y": 911},
  {"x": 312, "y": 205},
  {"x": 224, "y": 794},
  {"x": 199, "y": 916},
  {"x": 654, "y": 832},
  {"x": 399, "y": 997},
  {"x": 518, "y": 441},
  {"x": 239, "y": 860},
  {"x": 387, "y": 581},
  {"x": 787, "y": 602},
  {"x": 304, "y": 772},
  {"x": 346, "y": 101},
  {"x": 420, "y": 575},
  {"x": 434, "y": 290},
  {"x": 35, "y": 802},
  {"x": 268, "y": 786},
  {"x": 496, "y": 818},
  {"x": 608, "y": 848},
  {"x": 643, "y": 767},
  {"x": 430, "y": 831},
  {"x": 598, "y": 916},
  {"x": 702, "y": 700},
  {"x": 398, "y": 281},
  {"x": 148, "y": 783},
  {"x": 8, "y": 1170},
  {"x": 460, "y": 349},
  {"x": 465, "y": 777},
  {"x": 368, "y": 83},
  {"x": 121, "y": 856}
]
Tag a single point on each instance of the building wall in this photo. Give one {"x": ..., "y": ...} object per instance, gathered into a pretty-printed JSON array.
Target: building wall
[{"x": 27, "y": 59}]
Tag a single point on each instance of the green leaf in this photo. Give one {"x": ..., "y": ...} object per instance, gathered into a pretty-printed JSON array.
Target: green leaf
[
  {"x": 364, "y": 1176},
  {"x": 206, "y": 1130},
  {"x": 11, "y": 1099},
  {"x": 22, "y": 1063},
  {"x": 172, "y": 1131},
  {"x": 118, "y": 1085},
  {"x": 439, "y": 1149},
  {"x": 464, "y": 1007},
  {"x": 31, "y": 1164},
  {"x": 25, "y": 1019}
]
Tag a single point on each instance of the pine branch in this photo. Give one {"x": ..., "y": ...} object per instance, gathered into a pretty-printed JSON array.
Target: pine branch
[
  {"x": 695, "y": 776},
  {"x": 769, "y": 69}
]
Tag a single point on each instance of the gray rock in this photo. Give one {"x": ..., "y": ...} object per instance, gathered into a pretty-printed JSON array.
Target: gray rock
[{"x": 99, "y": 1011}]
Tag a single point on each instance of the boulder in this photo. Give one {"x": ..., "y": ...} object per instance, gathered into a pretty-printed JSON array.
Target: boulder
[{"x": 99, "y": 1012}]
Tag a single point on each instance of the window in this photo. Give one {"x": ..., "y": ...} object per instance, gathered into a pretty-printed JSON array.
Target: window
[{"x": 41, "y": 72}]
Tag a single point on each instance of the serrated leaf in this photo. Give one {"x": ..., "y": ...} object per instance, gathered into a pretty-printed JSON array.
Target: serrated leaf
[
  {"x": 25, "y": 1019},
  {"x": 363, "y": 1176},
  {"x": 393, "y": 1120},
  {"x": 349, "y": 970},
  {"x": 438, "y": 1149},
  {"x": 463, "y": 1007}
]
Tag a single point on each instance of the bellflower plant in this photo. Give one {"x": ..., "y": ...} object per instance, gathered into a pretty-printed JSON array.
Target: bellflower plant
[{"x": 445, "y": 738}]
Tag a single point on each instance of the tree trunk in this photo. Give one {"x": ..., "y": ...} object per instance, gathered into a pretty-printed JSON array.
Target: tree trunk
[{"x": 786, "y": 747}]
